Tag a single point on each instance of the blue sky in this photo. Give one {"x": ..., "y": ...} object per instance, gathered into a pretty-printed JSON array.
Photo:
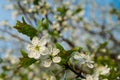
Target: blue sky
[{"x": 6, "y": 15}]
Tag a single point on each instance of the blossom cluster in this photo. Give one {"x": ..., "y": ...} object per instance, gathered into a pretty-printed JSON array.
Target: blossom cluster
[
  {"x": 101, "y": 70},
  {"x": 38, "y": 50}
]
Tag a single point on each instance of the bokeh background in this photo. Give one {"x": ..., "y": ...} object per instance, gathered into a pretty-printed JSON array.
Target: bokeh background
[{"x": 97, "y": 15}]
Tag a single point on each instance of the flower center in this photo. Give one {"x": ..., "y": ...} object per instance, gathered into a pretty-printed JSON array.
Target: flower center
[{"x": 37, "y": 48}]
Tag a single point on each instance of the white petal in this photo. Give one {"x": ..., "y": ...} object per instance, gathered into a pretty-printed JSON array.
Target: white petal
[
  {"x": 35, "y": 40},
  {"x": 90, "y": 65},
  {"x": 35, "y": 55},
  {"x": 76, "y": 57},
  {"x": 44, "y": 51},
  {"x": 42, "y": 42},
  {"x": 47, "y": 63},
  {"x": 56, "y": 59},
  {"x": 29, "y": 47},
  {"x": 55, "y": 51},
  {"x": 43, "y": 48}
]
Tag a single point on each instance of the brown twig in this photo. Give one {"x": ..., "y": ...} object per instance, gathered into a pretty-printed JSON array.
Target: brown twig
[
  {"x": 23, "y": 11},
  {"x": 15, "y": 36}
]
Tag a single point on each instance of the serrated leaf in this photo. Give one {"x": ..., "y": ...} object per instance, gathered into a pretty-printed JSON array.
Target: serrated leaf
[
  {"x": 26, "y": 29},
  {"x": 25, "y": 62}
]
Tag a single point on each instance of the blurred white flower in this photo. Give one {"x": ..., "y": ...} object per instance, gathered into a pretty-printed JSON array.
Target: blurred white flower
[
  {"x": 91, "y": 77},
  {"x": 102, "y": 70},
  {"x": 15, "y": 14},
  {"x": 37, "y": 48},
  {"x": 56, "y": 26},
  {"x": 47, "y": 63},
  {"x": 48, "y": 77},
  {"x": 84, "y": 59},
  {"x": 3, "y": 23},
  {"x": 118, "y": 57},
  {"x": 52, "y": 78}
]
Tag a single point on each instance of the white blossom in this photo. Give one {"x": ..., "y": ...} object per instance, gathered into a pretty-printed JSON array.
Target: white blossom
[
  {"x": 84, "y": 59},
  {"x": 37, "y": 48},
  {"x": 91, "y": 77},
  {"x": 102, "y": 70},
  {"x": 53, "y": 54}
]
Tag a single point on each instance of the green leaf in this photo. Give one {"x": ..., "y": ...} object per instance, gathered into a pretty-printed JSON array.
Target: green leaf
[
  {"x": 62, "y": 10},
  {"x": 36, "y": 2},
  {"x": 102, "y": 45},
  {"x": 25, "y": 62},
  {"x": 77, "y": 10},
  {"x": 59, "y": 47},
  {"x": 54, "y": 34},
  {"x": 26, "y": 29},
  {"x": 42, "y": 24},
  {"x": 24, "y": 54},
  {"x": 65, "y": 55}
]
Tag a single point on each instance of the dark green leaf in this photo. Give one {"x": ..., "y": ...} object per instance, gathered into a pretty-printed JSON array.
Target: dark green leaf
[
  {"x": 26, "y": 29},
  {"x": 36, "y": 2},
  {"x": 77, "y": 10}
]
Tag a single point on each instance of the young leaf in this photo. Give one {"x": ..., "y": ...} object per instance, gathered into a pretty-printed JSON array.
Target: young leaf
[
  {"x": 25, "y": 62},
  {"x": 24, "y": 54},
  {"x": 102, "y": 45},
  {"x": 26, "y": 29},
  {"x": 77, "y": 10},
  {"x": 62, "y": 10},
  {"x": 59, "y": 47}
]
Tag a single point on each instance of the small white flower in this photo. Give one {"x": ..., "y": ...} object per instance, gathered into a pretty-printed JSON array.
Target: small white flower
[
  {"x": 37, "y": 48},
  {"x": 53, "y": 57},
  {"x": 54, "y": 51},
  {"x": 84, "y": 59},
  {"x": 118, "y": 57}
]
